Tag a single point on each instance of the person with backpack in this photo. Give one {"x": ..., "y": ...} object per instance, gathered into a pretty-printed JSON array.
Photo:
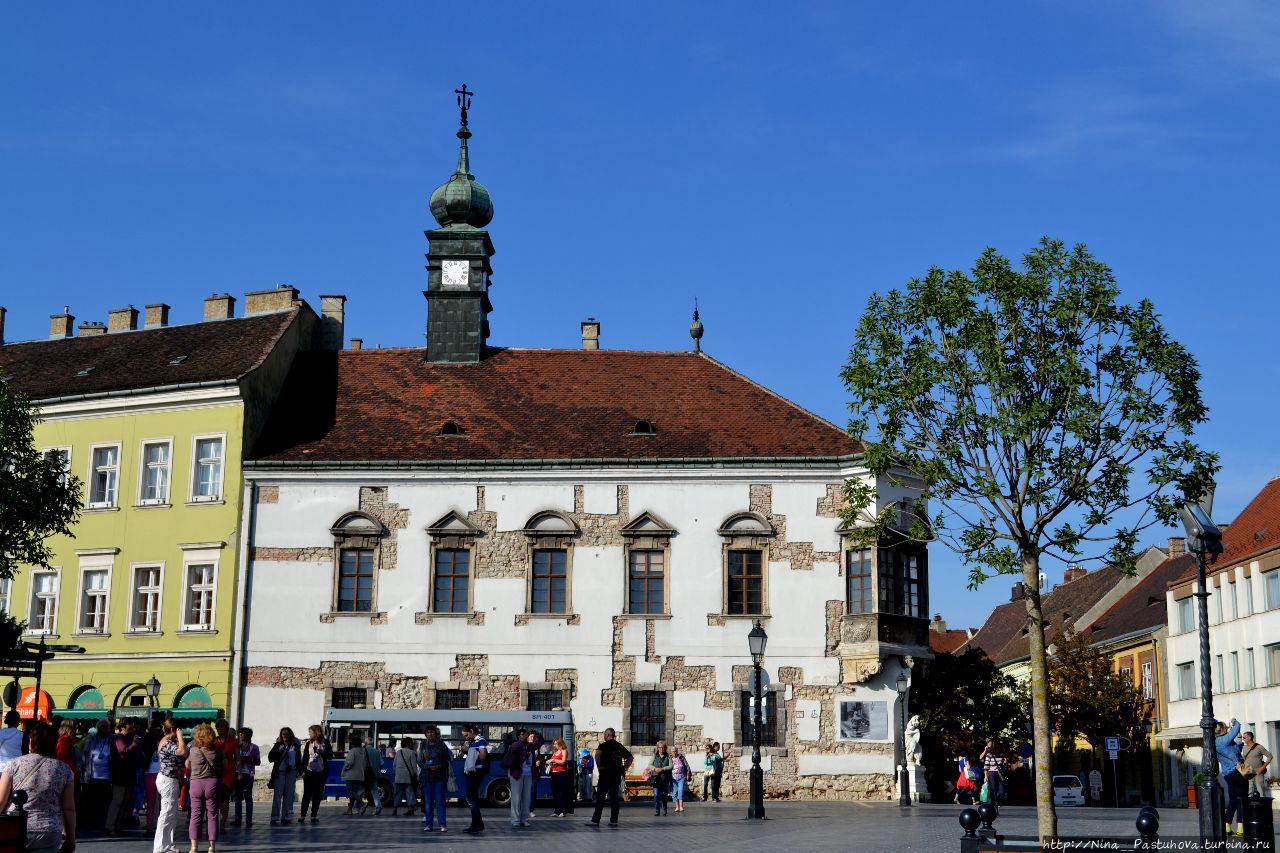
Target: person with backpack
[
  {"x": 475, "y": 769},
  {"x": 518, "y": 761},
  {"x": 681, "y": 773},
  {"x": 435, "y": 763}
]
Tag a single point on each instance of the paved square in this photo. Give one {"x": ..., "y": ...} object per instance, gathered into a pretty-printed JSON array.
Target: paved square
[{"x": 792, "y": 827}]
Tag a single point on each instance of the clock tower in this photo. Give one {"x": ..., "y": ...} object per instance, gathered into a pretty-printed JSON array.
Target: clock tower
[{"x": 458, "y": 268}]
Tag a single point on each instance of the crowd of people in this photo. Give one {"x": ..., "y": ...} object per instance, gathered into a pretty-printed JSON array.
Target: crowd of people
[{"x": 140, "y": 773}]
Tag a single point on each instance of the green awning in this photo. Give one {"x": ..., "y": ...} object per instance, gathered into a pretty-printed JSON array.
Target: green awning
[
  {"x": 196, "y": 698},
  {"x": 138, "y": 711},
  {"x": 81, "y": 714},
  {"x": 89, "y": 699}
]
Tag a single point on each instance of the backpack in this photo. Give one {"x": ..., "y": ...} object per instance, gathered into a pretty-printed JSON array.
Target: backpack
[{"x": 512, "y": 758}]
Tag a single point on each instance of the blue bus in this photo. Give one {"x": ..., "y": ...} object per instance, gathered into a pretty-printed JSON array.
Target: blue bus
[{"x": 387, "y": 727}]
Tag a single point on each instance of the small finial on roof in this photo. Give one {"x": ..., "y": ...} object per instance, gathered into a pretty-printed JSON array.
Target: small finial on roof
[{"x": 696, "y": 328}]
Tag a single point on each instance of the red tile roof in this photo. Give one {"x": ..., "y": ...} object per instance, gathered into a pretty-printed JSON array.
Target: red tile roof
[
  {"x": 213, "y": 351},
  {"x": 1255, "y": 531},
  {"x": 946, "y": 642},
  {"x": 518, "y": 404}
]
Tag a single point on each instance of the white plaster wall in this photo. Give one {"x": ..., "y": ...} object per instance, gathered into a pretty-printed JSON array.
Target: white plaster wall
[{"x": 287, "y": 598}]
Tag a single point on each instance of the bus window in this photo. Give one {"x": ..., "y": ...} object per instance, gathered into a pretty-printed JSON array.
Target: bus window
[{"x": 340, "y": 733}]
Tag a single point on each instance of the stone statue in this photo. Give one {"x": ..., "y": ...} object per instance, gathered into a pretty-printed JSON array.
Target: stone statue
[{"x": 912, "y": 738}]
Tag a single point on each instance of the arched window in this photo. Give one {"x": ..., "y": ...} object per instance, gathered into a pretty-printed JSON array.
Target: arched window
[
  {"x": 356, "y": 552},
  {"x": 746, "y": 564},
  {"x": 551, "y": 534}
]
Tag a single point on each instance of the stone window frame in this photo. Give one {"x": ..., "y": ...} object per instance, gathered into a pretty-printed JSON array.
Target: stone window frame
[
  {"x": 565, "y": 687},
  {"x": 669, "y": 727},
  {"x": 452, "y": 532},
  {"x": 368, "y": 686},
  {"x": 745, "y": 531},
  {"x": 472, "y": 686},
  {"x": 647, "y": 532},
  {"x": 347, "y": 538},
  {"x": 550, "y": 530},
  {"x": 742, "y": 746},
  {"x": 891, "y": 542}
]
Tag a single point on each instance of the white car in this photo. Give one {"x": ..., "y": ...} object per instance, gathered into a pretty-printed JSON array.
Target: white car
[{"x": 1067, "y": 791}]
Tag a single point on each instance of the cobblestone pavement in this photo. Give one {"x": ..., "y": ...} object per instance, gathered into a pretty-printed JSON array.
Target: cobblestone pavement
[{"x": 792, "y": 827}]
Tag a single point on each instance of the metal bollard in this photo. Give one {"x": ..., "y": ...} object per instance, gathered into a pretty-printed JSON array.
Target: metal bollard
[
  {"x": 1148, "y": 824},
  {"x": 1259, "y": 826}
]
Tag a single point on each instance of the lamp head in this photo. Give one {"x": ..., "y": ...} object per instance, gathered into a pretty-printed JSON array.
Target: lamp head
[
  {"x": 756, "y": 641},
  {"x": 1203, "y": 536},
  {"x": 903, "y": 684},
  {"x": 153, "y": 687}
]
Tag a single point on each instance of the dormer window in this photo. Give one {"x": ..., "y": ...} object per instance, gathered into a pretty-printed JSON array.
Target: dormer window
[
  {"x": 84, "y": 371},
  {"x": 451, "y": 428},
  {"x": 177, "y": 360},
  {"x": 644, "y": 428}
]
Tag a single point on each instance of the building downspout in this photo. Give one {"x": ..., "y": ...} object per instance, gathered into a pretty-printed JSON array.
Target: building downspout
[{"x": 240, "y": 625}]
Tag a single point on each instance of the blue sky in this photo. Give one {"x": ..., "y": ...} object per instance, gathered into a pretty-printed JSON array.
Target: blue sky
[{"x": 779, "y": 162}]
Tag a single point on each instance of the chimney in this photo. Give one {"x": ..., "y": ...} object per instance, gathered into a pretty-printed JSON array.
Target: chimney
[
  {"x": 157, "y": 315},
  {"x": 60, "y": 324},
  {"x": 937, "y": 624},
  {"x": 3, "y": 311},
  {"x": 219, "y": 306},
  {"x": 357, "y": 343},
  {"x": 1019, "y": 591},
  {"x": 1177, "y": 546},
  {"x": 332, "y": 314},
  {"x": 591, "y": 333},
  {"x": 88, "y": 330},
  {"x": 1074, "y": 573},
  {"x": 282, "y": 297},
  {"x": 122, "y": 319}
]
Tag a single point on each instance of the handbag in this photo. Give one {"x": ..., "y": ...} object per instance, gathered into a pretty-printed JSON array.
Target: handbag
[
  {"x": 450, "y": 781},
  {"x": 984, "y": 795}
]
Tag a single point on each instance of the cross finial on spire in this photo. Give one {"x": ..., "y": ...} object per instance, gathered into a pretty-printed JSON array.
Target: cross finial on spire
[{"x": 464, "y": 101}]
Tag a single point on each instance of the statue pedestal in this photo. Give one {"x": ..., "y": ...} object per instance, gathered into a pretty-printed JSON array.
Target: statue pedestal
[{"x": 919, "y": 791}]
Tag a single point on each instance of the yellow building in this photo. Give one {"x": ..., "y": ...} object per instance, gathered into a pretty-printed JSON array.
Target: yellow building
[{"x": 154, "y": 421}]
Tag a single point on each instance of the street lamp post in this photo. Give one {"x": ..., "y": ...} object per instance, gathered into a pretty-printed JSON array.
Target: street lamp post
[
  {"x": 153, "y": 690},
  {"x": 757, "y": 640},
  {"x": 904, "y": 796},
  {"x": 1205, "y": 539}
]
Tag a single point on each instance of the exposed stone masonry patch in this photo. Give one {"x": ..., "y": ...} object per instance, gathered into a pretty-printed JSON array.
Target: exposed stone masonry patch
[
  {"x": 373, "y": 501},
  {"x": 268, "y": 494},
  {"x": 292, "y": 555},
  {"x": 801, "y": 555}
]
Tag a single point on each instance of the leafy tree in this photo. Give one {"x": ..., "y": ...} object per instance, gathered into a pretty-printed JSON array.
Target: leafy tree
[
  {"x": 1040, "y": 416},
  {"x": 964, "y": 701},
  {"x": 1088, "y": 697},
  {"x": 37, "y": 497}
]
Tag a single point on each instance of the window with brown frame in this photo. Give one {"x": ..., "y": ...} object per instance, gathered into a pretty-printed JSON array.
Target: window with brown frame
[
  {"x": 355, "y": 580},
  {"x": 903, "y": 577},
  {"x": 646, "y": 582},
  {"x": 858, "y": 584},
  {"x": 745, "y": 583},
  {"x": 550, "y": 589},
  {"x": 452, "y": 580}
]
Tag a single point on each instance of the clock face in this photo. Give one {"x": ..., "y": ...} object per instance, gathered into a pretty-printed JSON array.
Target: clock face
[{"x": 455, "y": 273}]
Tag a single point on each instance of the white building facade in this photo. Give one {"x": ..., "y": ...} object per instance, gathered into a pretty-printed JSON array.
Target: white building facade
[
  {"x": 642, "y": 634},
  {"x": 1244, "y": 639}
]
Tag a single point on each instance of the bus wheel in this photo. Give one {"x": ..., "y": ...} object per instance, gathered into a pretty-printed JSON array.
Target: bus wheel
[
  {"x": 386, "y": 793},
  {"x": 500, "y": 794}
]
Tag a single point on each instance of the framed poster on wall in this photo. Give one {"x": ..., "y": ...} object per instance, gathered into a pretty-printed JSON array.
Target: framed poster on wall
[{"x": 865, "y": 721}]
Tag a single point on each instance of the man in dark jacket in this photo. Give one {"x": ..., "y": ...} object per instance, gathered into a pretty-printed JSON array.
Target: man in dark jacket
[{"x": 612, "y": 761}]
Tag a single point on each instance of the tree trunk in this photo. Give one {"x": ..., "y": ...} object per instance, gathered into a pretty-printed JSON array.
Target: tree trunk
[{"x": 1046, "y": 816}]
